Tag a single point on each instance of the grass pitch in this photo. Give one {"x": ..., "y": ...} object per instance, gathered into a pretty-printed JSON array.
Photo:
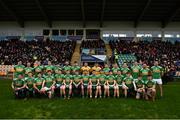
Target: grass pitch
[{"x": 168, "y": 107}]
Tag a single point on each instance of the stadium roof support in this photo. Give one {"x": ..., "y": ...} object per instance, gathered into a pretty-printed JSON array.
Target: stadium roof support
[
  {"x": 170, "y": 18},
  {"x": 142, "y": 13},
  {"x": 11, "y": 12},
  {"x": 102, "y": 13},
  {"x": 49, "y": 22},
  {"x": 83, "y": 13}
]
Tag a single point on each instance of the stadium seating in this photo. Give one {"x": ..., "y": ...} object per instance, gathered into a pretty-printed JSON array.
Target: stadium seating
[{"x": 126, "y": 58}]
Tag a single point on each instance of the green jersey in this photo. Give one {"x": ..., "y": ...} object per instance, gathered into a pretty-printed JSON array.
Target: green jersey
[
  {"x": 102, "y": 79},
  {"x": 156, "y": 72},
  {"x": 144, "y": 73},
  {"x": 93, "y": 79},
  {"x": 29, "y": 81},
  {"x": 19, "y": 70},
  {"x": 77, "y": 78},
  {"x": 38, "y": 69},
  {"x": 119, "y": 79},
  {"x": 135, "y": 71},
  {"x": 68, "y": 78},
  {"x": 49, "y": 79},
  {"x": 85, "y": 79},
  {"x": 67, "y": 68},
  {"x": 125, "y": 71},
  {"x": 59, "y": 78},
  {"x": 128, "y": 82},
  {"x": 49, "y": 68},
  {"x": 139, "y": 83},
  {"x": 75, "y": 68},
  {"x": 38, "y": 82},
  {"x": 106, "y": 69},
  {"x": 110, "y": 79},
  {"x": 150, "y": 83},
  {"x": 18, "y": 82},
  {"x": 57, "y": 68},
  {"x": 115, "y": 69},
  {"x": 98, "y": 77},
  {"x": 28, "y": 70}
]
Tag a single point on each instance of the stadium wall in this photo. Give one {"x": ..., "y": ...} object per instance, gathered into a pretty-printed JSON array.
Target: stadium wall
[{"x": 36, "y": 28}]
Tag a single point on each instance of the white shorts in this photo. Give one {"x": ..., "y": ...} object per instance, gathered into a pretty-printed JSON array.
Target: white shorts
[
  {"x": 85, "y": 84},
  {"x": 111, "y": 86},
  {"x": 158, "y": 81},
  {"x": 120, "y": 85},
  {"x": 58, "y": 85},
  {"x": 46, "y": 88}
]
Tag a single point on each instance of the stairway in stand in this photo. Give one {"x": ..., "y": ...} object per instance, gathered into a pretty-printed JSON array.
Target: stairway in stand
[
  {"x": 109, "y": 50},
  {"x": 76, "y": 54}
]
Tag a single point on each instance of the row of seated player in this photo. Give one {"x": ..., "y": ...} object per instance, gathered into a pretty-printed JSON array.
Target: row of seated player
[
  {"x": 43, "y": 86},
  {"x": 91, "y": 86},
  {"x": 13, "y": 51},
  {"x": 165, "y": 52}
]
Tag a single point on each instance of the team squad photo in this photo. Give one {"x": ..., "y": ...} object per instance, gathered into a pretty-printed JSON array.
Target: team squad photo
[
  {"x": 89, "y": 59},
  {"x": 138, "y": 81}
]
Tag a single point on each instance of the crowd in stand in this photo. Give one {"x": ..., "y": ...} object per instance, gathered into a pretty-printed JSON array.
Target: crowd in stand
[
  {"x": 13, "y": 51},
  {"x": 166, "y": 53}
]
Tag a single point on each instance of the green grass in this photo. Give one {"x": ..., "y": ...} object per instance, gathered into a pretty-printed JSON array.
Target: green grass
[{"x": 168, "y": 107}]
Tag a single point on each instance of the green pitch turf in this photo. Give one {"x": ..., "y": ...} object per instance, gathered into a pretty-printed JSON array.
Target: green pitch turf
[{"x": 168, "y": 107}]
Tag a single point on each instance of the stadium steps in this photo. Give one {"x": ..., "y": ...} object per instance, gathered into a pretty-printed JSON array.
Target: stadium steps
[
  {"x": 108, "y": 49},
  {"x": 76, "y": 54}
]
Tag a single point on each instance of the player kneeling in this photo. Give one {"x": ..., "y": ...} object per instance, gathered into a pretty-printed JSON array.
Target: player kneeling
[
  {"x": 48, "y": 84},
  {"x": 38, "y": 85},
  {"x": 128, "y": 85},
  {"x": 18, "y": 85},
  {"x": 139, "y": 87},
  {"x": 151, "y": 89}
]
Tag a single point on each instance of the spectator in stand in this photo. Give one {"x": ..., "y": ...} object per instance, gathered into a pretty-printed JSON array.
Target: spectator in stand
[
  {"x": 13, "y": 51},
  {"x": 148, "y": 52}
]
